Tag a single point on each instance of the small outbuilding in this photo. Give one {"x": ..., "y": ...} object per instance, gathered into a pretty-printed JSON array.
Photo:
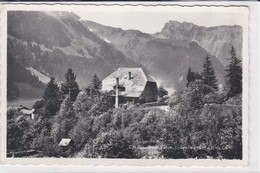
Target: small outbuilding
[
  {"x": 28, "y": 112},
  {"x": 65, "y": 142},
  {"x": 131, "y": 85}
]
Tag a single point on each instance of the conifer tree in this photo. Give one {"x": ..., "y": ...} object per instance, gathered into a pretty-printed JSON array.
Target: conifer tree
[
  {"x": 70, "y": 86},
  {"x": 96, "y": 83},
  {"x": 192, "y": 76},
  {"x": 208, "y": 74},
  {"x": 51, "y": 98},
  {"x": 189, "y": 77},
  {"x": 234, "y": 76},
  {"x": 66, "y": 108},
  {"x": 65, "y": 118},
  {"x": 52, "y": 90}
]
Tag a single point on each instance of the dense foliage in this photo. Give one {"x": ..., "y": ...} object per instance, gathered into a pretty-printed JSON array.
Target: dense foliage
[{"x": 110, "y": 144}]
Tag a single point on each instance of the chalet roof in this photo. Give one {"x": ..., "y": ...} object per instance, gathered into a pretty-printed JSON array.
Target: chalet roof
[
  {"x": 133, "y": 87},
  {"x": 64, "y": 142}
]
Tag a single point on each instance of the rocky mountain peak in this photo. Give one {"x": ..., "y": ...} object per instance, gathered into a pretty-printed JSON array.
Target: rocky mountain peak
[
  {"x": 175, "y": 25},
  {"x": 217, "y": 40}
]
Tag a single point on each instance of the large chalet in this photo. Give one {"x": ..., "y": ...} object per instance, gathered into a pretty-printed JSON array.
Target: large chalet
[{"x": 131, "y": 85}]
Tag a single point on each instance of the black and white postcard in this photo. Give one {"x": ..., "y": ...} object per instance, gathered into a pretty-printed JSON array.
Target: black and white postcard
[{"x": 124, "y": 84}]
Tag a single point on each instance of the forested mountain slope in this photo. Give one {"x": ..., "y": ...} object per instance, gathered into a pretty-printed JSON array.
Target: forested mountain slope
[{"x": 52, "y": 42}]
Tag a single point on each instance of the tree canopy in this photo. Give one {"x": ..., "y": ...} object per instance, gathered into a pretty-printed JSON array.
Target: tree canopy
[
  {"x": 234, "y": 76},
  {"x": 192, "y": 76},
  {"x": 70, "y": 86},
  {"x": 208, "y": 74},
  {"x": 52, "y": 90},
  {"x": 96, "y": 83},
  {"x": 51, "y": 102}
]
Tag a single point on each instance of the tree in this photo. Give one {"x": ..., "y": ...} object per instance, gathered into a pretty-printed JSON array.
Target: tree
[
  {"x": 208, "y": 74},
  {"x": 193, "y": 97},
  {"x": 192, "y": 76},
  {"x": 82, "y": 132},
  {"x": 92, "y": 102},
  {"x": 51, "y": 91},
  {"x": 45, "y": 143},
  {"x": 51, "y": 98},
  {"x": 162, "y": 92},
  {"x": 38, "y": 105},
  {"x": 70, "y": 86},
  {"x": 16, "y": 124},
  {"x": 234, "y": 76},
  {"x": 110, "y": 144},
  {"x": 65, "y": 119},
  {"x": 170, "y": 138},
  {"x": 66, "y": 109},
  {"x": 96, "y": 83}
]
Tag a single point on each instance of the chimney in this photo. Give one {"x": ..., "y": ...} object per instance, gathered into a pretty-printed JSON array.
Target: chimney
[
  {"x": 129, "y": 75},
  {"x": 117, "y": 93}
]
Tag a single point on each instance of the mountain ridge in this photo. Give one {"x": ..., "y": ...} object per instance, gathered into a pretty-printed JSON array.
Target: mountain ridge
[
  {"x": 157, "y": 54},
  {"x": 51, "y": 42},
  {"x": 217, "y": 40}
]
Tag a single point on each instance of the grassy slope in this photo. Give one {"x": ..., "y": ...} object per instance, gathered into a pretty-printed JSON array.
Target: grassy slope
[
  {"x": 43, "y": 78},
  {"x": 28, "y": 95}
]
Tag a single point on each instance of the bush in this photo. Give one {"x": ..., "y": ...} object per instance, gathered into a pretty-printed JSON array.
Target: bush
[
  {"x": 19, "y": 131},
  {"x": 236, "y": 100},
  {"x": 82, "y": 132},
  {"x": 110, "y": 144}
]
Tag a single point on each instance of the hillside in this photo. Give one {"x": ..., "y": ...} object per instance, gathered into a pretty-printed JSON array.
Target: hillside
[
  {"x": 27, "y": 95},
  {"x": 167, "y": 59},
  {"x": 43, "y": 78},
  {"x": 19, "y": 78},
  {"x": 52, "y": 42}
]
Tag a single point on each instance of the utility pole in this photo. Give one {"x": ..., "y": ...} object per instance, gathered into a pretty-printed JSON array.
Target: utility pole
[{"x": 117, "y": 93}]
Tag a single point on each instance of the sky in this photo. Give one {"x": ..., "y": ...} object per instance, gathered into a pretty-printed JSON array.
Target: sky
[{"x": 151, "y": 20}]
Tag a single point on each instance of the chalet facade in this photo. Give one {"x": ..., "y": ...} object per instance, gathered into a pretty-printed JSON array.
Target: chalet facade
[
  {"x": 27, "y": 112},
  {"x": 131, "y": 85}
]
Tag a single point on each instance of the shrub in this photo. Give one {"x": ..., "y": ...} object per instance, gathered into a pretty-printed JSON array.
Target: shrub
[
  {"x": 110, "y": 144},
  {"x": 236, "y": 100}
]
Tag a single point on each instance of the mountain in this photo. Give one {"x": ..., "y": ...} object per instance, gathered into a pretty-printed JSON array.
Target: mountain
[
  {"x": 45, "y": 44},
  {"x": 52, "y": 42},
  {"x": 168, "y": 60},
  {"x": 216, "y": 40}
]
